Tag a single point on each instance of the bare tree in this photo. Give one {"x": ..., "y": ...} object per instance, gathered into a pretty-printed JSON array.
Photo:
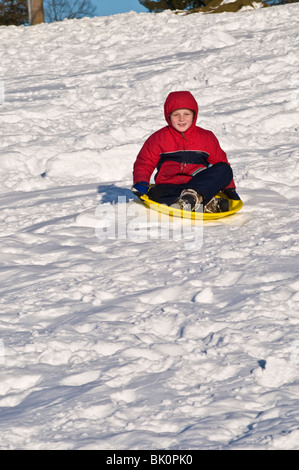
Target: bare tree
[
  {"x": 58, "y": 10},
  {"x": 13, "y": 12},
  {"x": 160, "y": 5},
  {"x": 36, "y": 11}
]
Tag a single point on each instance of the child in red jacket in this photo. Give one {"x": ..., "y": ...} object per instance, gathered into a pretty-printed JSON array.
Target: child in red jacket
[{"x": 191, "y": 166}]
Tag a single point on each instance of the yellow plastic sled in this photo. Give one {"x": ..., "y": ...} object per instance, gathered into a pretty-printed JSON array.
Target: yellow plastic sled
[{"x": 234, "y": 206}]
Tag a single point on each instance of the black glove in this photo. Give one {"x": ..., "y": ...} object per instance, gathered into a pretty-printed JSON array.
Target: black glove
[
  {"x": 232, "y": 194},
  {"x": 140, "y": 188}
]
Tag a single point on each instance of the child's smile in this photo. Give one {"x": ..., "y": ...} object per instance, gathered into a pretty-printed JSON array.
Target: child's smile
[{"x": 181, "y": 119}]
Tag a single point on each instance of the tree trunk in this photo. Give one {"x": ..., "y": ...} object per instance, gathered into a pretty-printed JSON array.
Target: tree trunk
[{"x": 36, "y": 11}]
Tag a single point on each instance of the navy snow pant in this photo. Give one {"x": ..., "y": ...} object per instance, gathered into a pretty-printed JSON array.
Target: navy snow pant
[{"x": 207, "y": 182}]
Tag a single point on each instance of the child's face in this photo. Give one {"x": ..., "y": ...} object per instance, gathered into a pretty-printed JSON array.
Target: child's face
[{"x": 181, "y": 119}]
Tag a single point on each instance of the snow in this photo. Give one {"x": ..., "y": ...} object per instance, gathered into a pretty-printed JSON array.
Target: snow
[{"x": 111, "y": 341}]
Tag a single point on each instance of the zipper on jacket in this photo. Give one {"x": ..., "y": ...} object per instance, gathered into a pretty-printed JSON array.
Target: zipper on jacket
[
  {"x": 183, "y": 135},
  {"x": 183, "y": 165}
]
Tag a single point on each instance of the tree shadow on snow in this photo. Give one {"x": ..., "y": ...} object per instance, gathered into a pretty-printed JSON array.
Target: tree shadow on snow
[{"x": 111, "y": 193}]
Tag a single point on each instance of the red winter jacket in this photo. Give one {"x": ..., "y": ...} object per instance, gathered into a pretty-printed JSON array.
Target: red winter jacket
[{"x": 178, "y": 156}]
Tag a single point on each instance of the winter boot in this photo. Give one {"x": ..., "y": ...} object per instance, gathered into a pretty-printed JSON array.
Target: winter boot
[
  {"x": 189, "y": 200},
  {"x": 216, "y": 204}
]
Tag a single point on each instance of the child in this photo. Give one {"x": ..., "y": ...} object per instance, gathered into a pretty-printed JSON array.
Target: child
[{"x": 191, "y": 166}]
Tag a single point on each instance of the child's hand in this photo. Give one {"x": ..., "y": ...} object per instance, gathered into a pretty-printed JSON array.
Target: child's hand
[
  {"x": 232, "y": 194},
  {"x": 140, "y": 188}
]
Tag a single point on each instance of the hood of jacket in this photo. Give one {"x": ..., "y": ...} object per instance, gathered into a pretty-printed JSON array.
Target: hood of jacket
[{"x": 180, "y": 100}]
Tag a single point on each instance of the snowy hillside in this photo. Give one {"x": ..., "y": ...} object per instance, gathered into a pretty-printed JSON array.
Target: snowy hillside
[{"x": 119, "y": 342}]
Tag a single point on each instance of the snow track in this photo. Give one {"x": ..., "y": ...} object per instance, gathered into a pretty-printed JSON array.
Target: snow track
[{"x": 118, "y": 343}]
